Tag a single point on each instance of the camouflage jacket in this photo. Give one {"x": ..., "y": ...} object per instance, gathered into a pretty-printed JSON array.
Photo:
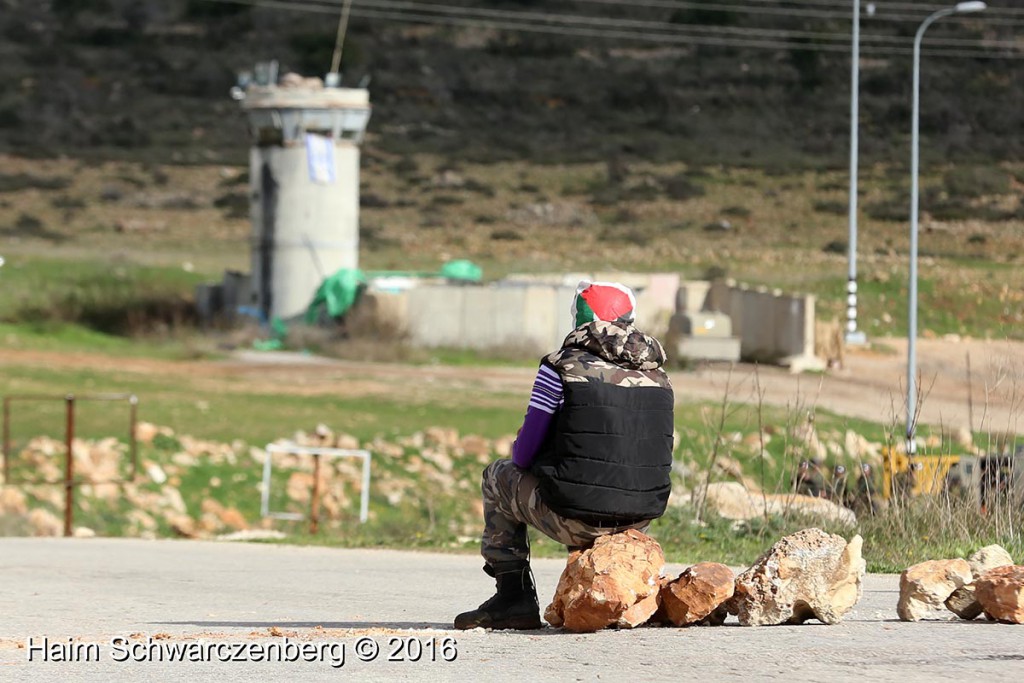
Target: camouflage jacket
[{"x": 612, "y": 352}]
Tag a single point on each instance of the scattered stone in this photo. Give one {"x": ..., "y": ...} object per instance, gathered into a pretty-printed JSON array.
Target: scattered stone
[
  {"x": 503, "y": 446},
  {"x": 733, "y": 500},
  {"x": 989, "y": 557},
  {"x": 1001, "y": 593},
  {"x": 807, "y": 575},
  {"x": 83, "y": 532},
  {"x": 145, "y": 432},
  {"x": 12, "y": 501},
  {"x": 696, "y": 595},
  {"x": 155, "y": 473},
  {"x": 964, "y": 603},
  {"x": 927, "y": 586},
  {"x": 141, "y": 520},
  {"x": 44, "y": 523},
  {"x": 347, "y": 441},
  {"x": 300, "y": 486},
  {"x": 438, "y": 459},
  {"x": 441, "y": 436},
  {"x": 475, "y": 445},
  {"x": 613, "y": 583},
  {"x": 183, "y": 525}
]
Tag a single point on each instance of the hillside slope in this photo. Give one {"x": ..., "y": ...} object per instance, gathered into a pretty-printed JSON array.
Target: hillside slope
[{"x": 150, "y": 80}]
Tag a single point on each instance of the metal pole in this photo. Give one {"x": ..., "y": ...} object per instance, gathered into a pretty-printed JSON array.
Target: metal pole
[
  {"x": 314, "y": 512},
  {"x": 914, "y": 163},
  {"x": 853, "y": 336},
  {"x": 69, "y": 465},
  {"x": 364, "y": 497},
  {"x": 133, "y": 445}
]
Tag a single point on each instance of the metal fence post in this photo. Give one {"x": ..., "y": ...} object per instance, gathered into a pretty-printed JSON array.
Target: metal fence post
[
  {"x": 314, "y": 512},
  {"x": 69, "y": 466},
  {"x": 133, "y": 446},
  {"x": 7, "y": 440}
]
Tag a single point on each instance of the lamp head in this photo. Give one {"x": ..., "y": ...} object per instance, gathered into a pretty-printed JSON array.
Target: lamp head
[{"x": 965, "y": 7}]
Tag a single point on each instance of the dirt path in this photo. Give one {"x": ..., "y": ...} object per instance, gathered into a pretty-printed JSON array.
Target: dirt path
[{"x": 871, "y": 385}]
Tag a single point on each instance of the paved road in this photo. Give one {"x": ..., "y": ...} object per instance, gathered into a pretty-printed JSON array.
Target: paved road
[{"x": 252, "y": 594}]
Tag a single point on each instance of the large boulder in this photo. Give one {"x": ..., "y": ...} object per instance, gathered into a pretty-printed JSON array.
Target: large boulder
[
  {"x": 613, "y": 583},
  {"x": 927, "y": 586},
  {"x": 1000, "y": 592},
  {"x": 732, "y": 500},
  {"x": 963, "y": 602},
  {"x": 807, "y": 575},
  {"x": 697, "y": 595},
  {"x": 989, "y": 557}
]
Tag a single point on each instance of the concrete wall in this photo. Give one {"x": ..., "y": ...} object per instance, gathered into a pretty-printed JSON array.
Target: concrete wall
[
  {"x": 772, "y": 326},
  {"x": 532, "y": 313},
  {"x": 534, "y": 318}
]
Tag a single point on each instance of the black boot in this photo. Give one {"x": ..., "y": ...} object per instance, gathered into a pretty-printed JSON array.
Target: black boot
[{"x": 514, "y": 606}]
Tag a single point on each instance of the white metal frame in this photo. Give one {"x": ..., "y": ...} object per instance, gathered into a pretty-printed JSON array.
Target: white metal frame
[{"x": 290, "y": 448}]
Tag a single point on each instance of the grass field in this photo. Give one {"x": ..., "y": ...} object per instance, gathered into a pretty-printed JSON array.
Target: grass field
[{"x": 102, "y": 259}]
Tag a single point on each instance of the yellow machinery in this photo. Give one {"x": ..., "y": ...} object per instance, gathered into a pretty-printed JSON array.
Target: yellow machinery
[
  {"x": 986, "y": 478},
  {"x": 930, "y": 476}
]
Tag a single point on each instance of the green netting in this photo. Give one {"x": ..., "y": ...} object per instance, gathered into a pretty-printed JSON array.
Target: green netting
[
  {"x": 462, "y": 270},
  {"x": 336, "y": 294}
]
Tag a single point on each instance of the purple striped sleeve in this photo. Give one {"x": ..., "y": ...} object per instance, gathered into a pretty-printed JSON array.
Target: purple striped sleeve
[{"x": 545, "y": 400}]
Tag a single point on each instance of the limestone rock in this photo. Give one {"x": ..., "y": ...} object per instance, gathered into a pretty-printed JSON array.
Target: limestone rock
[
  {"x": 347, "y": 441},
  {"x": 1000, "y": 592},
  {"x": 807, "y": 575},
  {"x": 963, "y": 603},
  {"x": 475, "y": 446},
  {"x": 732, "y": 500},
  {"x": 182, "y": 525},
  {"x": 145, "y": 432},
  {"x": 927, "y": 585},
  {"x": 696, "y": 594},
  {"x": 44, "y": 523},
  {"x": 12, "y": 501},
  {"x": 989, "y": 557},
  {"x": 613, "y": 583}
]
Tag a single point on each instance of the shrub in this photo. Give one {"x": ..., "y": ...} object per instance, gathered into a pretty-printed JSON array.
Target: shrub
[
  {"x": 888, "y": 210},
  {"x": 682, "y": 188},
  {"x": 23, "y": 181},
  {"x": 836, "y": 247},
  {"x": 976, "y": 181},
  {"x": 736, "y": 211},
  {"x": 507, "y": 235},
  {"x": 235, "y": 204},
  {"x": 831, "y": 206},
  {"x": 67, "y": 202}
]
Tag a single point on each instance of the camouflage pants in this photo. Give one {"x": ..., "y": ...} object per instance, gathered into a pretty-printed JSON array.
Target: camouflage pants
[{"x": 511, "y": 502}]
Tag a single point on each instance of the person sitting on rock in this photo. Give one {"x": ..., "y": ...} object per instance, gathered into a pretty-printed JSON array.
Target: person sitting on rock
[{"x": 592, "y": 457}]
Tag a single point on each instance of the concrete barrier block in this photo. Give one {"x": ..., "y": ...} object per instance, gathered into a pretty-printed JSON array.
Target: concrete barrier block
[
  {"x": 693, "y": 296},
  {"x": 564, "y": 324},
  {"x": 540, "y": 317},
  {"x": 509, "y": 319},
  {"x": 435, "y": 315},
  {"x": 478, "y": 317}
]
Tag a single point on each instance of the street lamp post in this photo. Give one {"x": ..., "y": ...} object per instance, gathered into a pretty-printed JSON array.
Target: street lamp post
[
  {"x": 853, "y": 335},
  {"x": 960, "y": 8}
]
